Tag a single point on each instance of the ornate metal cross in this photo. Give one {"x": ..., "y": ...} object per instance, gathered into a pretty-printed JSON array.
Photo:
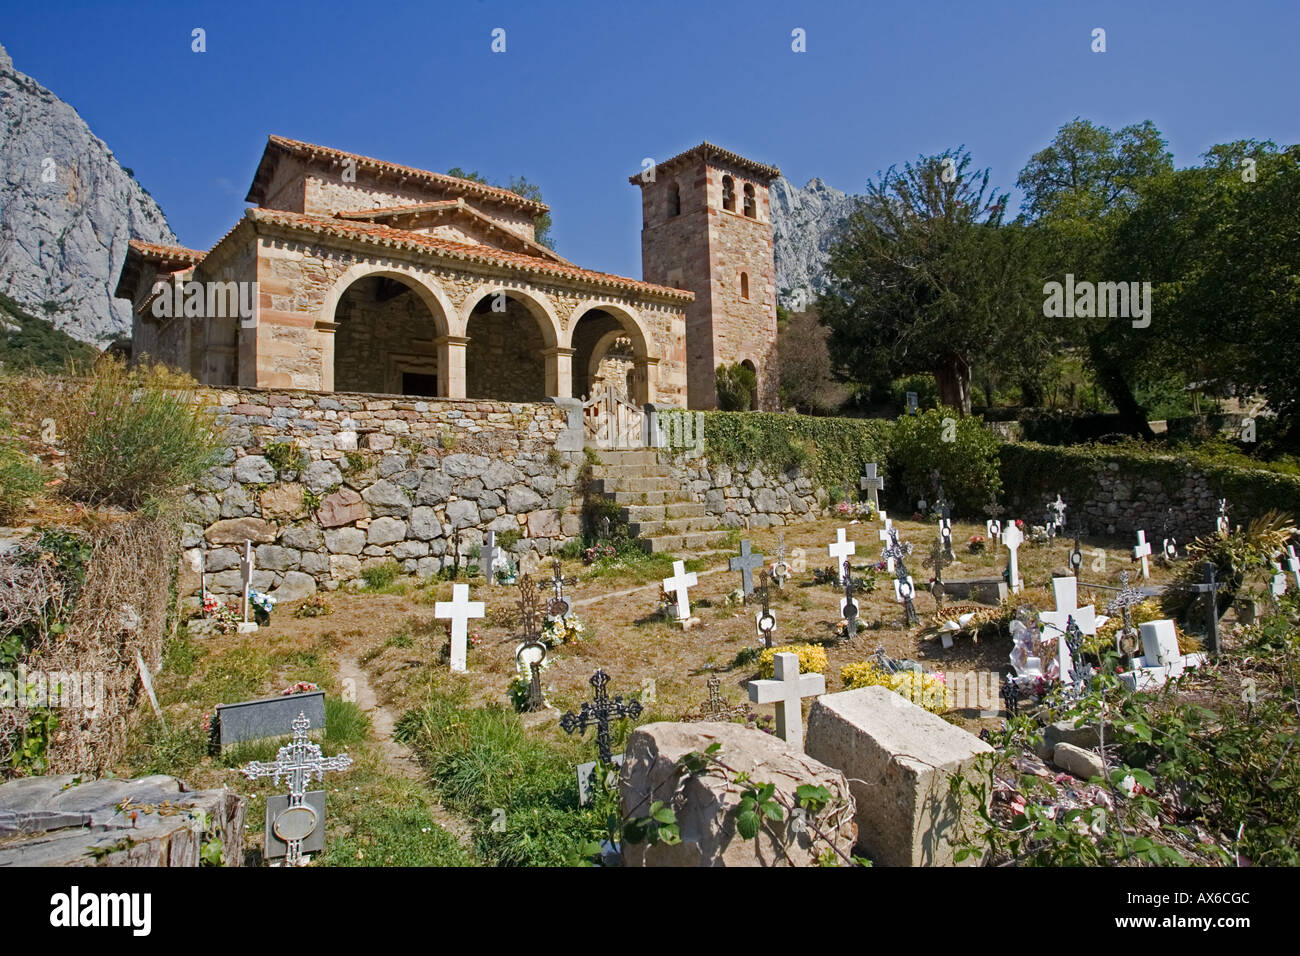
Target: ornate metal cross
[
  {"x": 1058, "y": 507},
  {"x": 939, "y": 559},
  {"x": 848, "y": 606},
  {"x": 1222, "y": 521},
  {"x": 716, "y": 707},
  {"x": 298, "y": 761},
  {"x": 766, "y": 619},
  {"x": 532, "y": 654},
  {"x": 780, "y": 570},
  {"x": 530, "y": 609},
  {"x": 1124, "y": 601},
  {"x": 903, "y": 585},
  {"x": 598, "y": 712},
  {"x": 1076, "y": 556},
  {"x": 560, "y": 606}
]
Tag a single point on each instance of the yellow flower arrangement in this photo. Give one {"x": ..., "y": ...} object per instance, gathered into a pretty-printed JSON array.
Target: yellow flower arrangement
[
  {"x": 925, "y": 690},
  {"x": 812, "y": 659}
]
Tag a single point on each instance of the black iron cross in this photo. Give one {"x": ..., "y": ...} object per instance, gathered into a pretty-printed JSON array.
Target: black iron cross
[
  {"x": 898, "y": 552},
  {"x": 559, "y": 605},
  {"x": 850, "y": 605},
  {"x": 1074, "y": 643},
  {"x": 1076, "y": 557},
  {"x": 766, "y": 620},
  {"x": 530, "y": 609},
  {"x": 597, "y": 713},
  {"x": 1210, "y": 588},
  {"x": 940, "y": 560}
]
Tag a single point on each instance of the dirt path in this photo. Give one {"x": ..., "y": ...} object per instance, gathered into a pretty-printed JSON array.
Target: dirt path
[{"x": 398, "y": 757}]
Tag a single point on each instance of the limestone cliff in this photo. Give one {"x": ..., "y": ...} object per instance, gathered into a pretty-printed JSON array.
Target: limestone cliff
[
  {"x": 804, "y": 223},
  {"x": 67, "y": 210}
]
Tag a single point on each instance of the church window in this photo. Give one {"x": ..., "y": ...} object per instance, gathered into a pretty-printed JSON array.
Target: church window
[
  {"x": 744, "y": 285},
  {"x": 751, "y": 205},
  {"x": 728, "y": 193},
  {"x": 674, "y": 200}
]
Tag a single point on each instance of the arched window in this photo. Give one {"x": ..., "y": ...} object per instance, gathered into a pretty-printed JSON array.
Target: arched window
[
  {"x": 744, "y": 285},
  {"x": 674, "y": 200},
  {"x": 728, "y": 193},
  {"x": 751, "y": 205}
]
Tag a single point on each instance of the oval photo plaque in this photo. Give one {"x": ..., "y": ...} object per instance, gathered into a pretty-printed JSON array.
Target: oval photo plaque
[{"x": 296, "y": 823}]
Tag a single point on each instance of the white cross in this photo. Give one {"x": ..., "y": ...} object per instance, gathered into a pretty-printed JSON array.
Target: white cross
[
  {"x": 460, "y": 609},
  {"x": 1278, "y": 585},
  {"x": 1142, "y": 552},
  {"x": 1066, "y": 591},
  {"x": 872, "y": 485},
  {"x": 842, "y": 549},
  {"x": 1293, "y": 563},
  {"x": 786, "y": 691},
  {"x": 1013, "y": 538},
  {"x": 1221, "y": 522},
  {"x": 246, "y": 573},
  {"x": 678, "y": 583},
  {"x": 1059, "y": 507},
  {"x": 883, "y": 535},
  {"x": 993, "y": 529}
]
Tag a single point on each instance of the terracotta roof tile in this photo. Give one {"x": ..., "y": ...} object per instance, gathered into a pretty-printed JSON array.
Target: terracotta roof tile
[
  {"x": 706, "y": 151},
  {"x": 387, "y": 235},
  {"x": 161, "y": 253}
]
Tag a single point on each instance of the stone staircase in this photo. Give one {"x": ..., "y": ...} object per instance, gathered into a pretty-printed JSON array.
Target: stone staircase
[{"x": 658, "y": 510}]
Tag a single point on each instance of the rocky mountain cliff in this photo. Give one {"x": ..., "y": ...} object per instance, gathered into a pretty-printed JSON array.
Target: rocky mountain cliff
[
  {"x": 67, "y": 210},
  {"x": 804, "y": 222}
]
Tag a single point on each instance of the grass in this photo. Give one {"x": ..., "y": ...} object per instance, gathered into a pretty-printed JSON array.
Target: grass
[{"x": 634, "y": 566}]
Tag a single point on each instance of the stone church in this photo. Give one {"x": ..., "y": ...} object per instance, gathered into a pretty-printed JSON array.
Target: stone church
[{"x": 361, "y": 275}]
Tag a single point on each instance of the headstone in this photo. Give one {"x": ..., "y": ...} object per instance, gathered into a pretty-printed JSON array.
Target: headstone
[
  {"x": 765, "y": 620},
  {"x": 598, "y": 713},
  {"x": 587, "y": 772},
  {"x": 1277, "y": 586},
  {"x": 872, "y": 484},
  {"x": 1159, "y": 642},
  {"x": 268, "y": 717},
  {"x": 745, "y": 564},
  {"x": 781, "y": 569},
  {"x": 1066, "y": 592},
  {"x": 297, "y": 761},
  {"x": 900, "y": 760},
  {"x": 1141, "y": 552},
  {"x": 678, "y": 585},
  {"x": 842, "y": 549},
  {"x": 560, "y": 605},
  {"x": 459, "y": 610},
  {"x": 1293, "y": 563},
  {"x": 1161, "y": 658},
  {"x": 787, "y": 689},
  {"x": 1013, "y": 538},
  {"x": 488, "y": 557}
]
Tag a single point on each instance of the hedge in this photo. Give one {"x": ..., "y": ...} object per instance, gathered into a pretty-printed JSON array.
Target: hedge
[{"x": 1032, "y": 472}]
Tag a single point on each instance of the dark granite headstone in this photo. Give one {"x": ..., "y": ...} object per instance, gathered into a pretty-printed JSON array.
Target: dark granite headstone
[
  {"x": 272, "y": 717},
  {"x": 992, "y": 591}
]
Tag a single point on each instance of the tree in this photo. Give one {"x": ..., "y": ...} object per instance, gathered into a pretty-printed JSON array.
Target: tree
[
  {"x": 520, "y": 185},
  {"x": 1079, "y": 190},
  {"x": 737, "y": 387},
  {"x": 925, "y": 277},
  {"x": 807, "y": 380}
]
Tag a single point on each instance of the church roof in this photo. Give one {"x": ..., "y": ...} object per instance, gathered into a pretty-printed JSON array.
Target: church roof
[
  {"x": 465, "y": 252},
  {"x": 163, "y": 258},
  {"x": 708, "y": 152},
  {"x": 278, "y": 146},
  {"x": 393, "y": 215}
]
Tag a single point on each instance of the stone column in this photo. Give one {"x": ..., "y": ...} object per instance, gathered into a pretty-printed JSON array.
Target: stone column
[
  {"x": 647, "y": 379},
  {"x": 559, "y": 371},
  {"x": 451, "y": 365}
]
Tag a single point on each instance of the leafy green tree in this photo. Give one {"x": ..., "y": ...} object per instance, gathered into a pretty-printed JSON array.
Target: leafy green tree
[
  {"x": 926, "y": 278},
  {"x": 737, "y": 387},
  {"x": 522, "y": 186}
]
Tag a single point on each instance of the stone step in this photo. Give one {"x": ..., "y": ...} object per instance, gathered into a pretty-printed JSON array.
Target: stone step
[
  {"x": 629, "y": 471},
  {"x": 664, "y": 484},
  {"x": 662, "y": 512},
  {"x": 628, "y": 458},
  {"x": 678, "y": 543},
  {"x": 650, "y": 529},
  {"x": 627, "y": 499}
]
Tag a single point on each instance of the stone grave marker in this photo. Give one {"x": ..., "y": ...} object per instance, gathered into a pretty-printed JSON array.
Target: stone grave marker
[
  {"x": 786, "y": 690},
  {"x": 913, "y": 403},
  {"x": 745, "y": 564},
  {"x": 872, "y": 484},
  {"x": 459, "y": 610},
  {"x": 849, "y": 608},
  {"x": 268, "y": 717},
  {"x": 1161, "y": 658},
  {"x": 842, "y": 549},
  {"x": 598, "y": 713},
  {"x": 1142, "y": 552},
  {"x": 781, "y": 568},
  {"x": 488, "y": 556},
  {"x": 993, "y": 531},
  {"x": 679, "y": 585},
  {"x": 587, "y": 773},
  {"x": 1277, "y": 585},
  {"x": 1066, "y": 593},
  {"x": 1293, "y": 563},
  {"x": 1013, "y": 538},
  {"x": 297, "y": 819}
]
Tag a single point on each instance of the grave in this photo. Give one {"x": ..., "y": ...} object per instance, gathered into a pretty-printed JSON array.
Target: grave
[
  {"x": 598, "y": 713},
  {"x": 745, "y": 564},
  {"x": 716, "y": 708},
  {"x": 247, "y": 564},
  {"x": 899, "y": 759},
  {"x": 872, "y": 485},
  {"x": 1161, "y": 658},
  {"x": 842, "y": 549},
  {"x": 1142, "y": 552},
  {"x": 268, "y": 717},
  {"x": 765, "y": 620},
  {"x": 786, "y": 690},
  {"x": 991, "y": 591},
  {"x": 679, "y": 585},
  {"x": 1013, "y": 538},
  {"x": 459, "y": 610},
  {"x": 1066, "y": 593}
]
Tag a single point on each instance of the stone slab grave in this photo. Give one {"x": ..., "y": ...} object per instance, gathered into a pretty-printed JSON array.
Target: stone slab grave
[
  {"x": 1161, "y": 659},
  {"x": 268, "y": 717},
  {"x": 706, "y": 802},
  {"x": 899, "y": 759},
  {"x": 69, "y": 821},
  {"x": 991, "y": 591}
]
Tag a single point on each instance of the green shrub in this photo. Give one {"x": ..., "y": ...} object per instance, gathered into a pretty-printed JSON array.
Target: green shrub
[
  {"x": 737, "y": 387},
  {"x": 962, "y": 450},
  {"x": 380, "y": 576},
  {"x": 927, "y": 391},
  {"x": 132, "y": 435},
  {"x": 20, "y": 479},
  {"x": 506, "y": 540},
  {"x": 286, "y": 456}
]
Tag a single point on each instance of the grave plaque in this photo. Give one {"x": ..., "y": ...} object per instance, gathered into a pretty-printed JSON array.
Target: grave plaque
[
  {"x": 283, "y": 825},
  {"x": 269, "y": 717}
]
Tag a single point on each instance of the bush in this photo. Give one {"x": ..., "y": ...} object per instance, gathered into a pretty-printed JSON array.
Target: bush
[
  {"x": 812, "y": 659},
  {"x": 737, "y": 387},
  {"x": 923, "y": 383},
  {"x": 380, "y": 576},
  {"x": 20, "y": 478},
  {"x": 962, "y": 450},
  {"x": 133, "y": 435},
  {"x": 925, "y": 690}
]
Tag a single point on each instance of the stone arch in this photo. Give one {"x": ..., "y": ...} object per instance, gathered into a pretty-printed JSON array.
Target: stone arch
[
  {"x": 379, "y": 339},
  {"x": 757, "y": 389},
  {"x": 515, "y": 354},
  {"x": 587, "y": 345}
]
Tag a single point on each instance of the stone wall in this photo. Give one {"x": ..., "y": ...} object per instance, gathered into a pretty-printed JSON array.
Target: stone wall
[
  {"x": 747, "y": 496},
  {"x": 327, "y": 485}
]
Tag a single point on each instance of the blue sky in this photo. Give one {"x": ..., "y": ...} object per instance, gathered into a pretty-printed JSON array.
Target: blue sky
[{"x": 585, "y": 90}]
